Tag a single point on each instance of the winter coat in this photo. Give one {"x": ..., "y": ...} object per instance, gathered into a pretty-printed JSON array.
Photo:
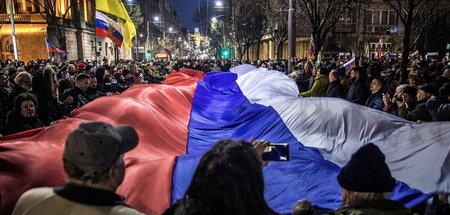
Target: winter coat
[
  {"x": 375, "y": 101},
  {"x": 319, "y": 87},
  {"x": 379, "y": 207},
  {"x": 439, "y": 109},
  {"x": 358, "y": 92},
  {"x": 16, "y": 123},
  {"x": 335, "y": 89},
  {"x": 415, "y": 112}
]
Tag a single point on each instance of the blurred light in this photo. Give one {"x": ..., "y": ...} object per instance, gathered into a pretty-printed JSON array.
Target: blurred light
[
  {"x": 141, "y": 35},
  {"x": 156, "y": 18},
  {"x": 214, "y": 19},
  {"x": 170, "y": 29},
  {"x": 219, "y": 3},
  {"x": 179, "y": 38}
]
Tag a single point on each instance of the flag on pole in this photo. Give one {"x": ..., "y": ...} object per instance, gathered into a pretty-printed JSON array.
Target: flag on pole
[
  {"x": 116, "y": 8},
  {"x": 106, "y": 27},
  {"x": 379, "y": 47},
  {"x": 51, "y": 48},
  {"x": 367, "y": 51},
  {"x": 349, "y": 65},
  {"x": 311, "y": 47},
  {"x": 414, "y": 54}
]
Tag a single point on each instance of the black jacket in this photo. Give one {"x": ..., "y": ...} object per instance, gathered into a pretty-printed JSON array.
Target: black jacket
[
  {"x": 418, "y": 111},
  {"x": 335, "y": 89},
  {"x": 439, "y": 109},
  {"x": 17, "y": 123},
  {"x": 359, "y": 92},
  {"x": 80, "y": 98}
]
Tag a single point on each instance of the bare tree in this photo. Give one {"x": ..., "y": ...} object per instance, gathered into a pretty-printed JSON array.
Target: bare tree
[
  {"x": 49, "y": 10},
  {"x": 414, "y": 15},
  {"x": 321, "y": 16},
  {"x": 276, "y": 22}
]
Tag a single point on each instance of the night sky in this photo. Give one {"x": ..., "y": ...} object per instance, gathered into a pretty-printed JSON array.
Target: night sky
[{"x": 185, "y": 10}]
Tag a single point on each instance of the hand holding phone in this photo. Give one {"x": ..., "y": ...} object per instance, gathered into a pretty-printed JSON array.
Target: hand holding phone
[{"x": 276, "y": 152}]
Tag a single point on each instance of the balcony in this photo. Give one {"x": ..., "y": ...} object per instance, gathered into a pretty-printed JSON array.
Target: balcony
[{"x": 23, "y": 18}]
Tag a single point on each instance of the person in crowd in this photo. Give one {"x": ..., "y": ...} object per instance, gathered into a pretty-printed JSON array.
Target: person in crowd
[
  {"x": 122, "y": 84},
  {"x": 93, "y": 160},
  {"x": 23, "y": 116},
  {"x": 391, "y": 105},
  {"x": 305, "y": 79},
  {"x": 335, "y": 88},
  {"x": 343, "y": 78},
  {"x": 92, "y": 91},
  {"x": 358, "y": 92},
  {"x": 22, "y": 84},
  {"x": 366, "y": 183},
  {"x": 228, "y": 180},
  {"x": 78, "y": 93},
  {"x": 408, "y": 100},
  {"x": 375, "y": 99},
  {"x": 45, "y": 87},
  {"x": 439, "y": 106},
  {"x": 4, "y": 92},
  {"x": 416, "y": 111},
  {"x": 320, "y": 85}
]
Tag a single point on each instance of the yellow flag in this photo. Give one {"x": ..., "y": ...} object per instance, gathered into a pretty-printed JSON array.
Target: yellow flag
[{"x": 116, "y": 8}]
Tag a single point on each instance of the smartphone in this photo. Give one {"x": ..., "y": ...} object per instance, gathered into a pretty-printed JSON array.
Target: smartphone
[{"x": 276, "y": 152}]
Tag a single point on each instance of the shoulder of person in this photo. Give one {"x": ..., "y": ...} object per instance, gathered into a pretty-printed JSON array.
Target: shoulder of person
[{"x": 31, "y": 196}]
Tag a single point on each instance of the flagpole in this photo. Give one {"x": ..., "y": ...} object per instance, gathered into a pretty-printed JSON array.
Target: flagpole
[{"x": 13, "y": 28}]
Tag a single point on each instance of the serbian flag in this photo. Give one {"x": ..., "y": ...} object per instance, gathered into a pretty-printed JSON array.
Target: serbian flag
[
  {"x": 178, "y": 121},
  {"x": 106, "y": 27},
  {"x": 349, "y": 65},
  {"x": 52, "y": 48}
]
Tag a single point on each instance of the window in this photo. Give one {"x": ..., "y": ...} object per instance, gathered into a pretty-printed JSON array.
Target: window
[
  {"x": 25, "y": 6},
  {"x": 392, "y": 18},
  {"x": 384, "y": 17},
  {"x": 368, "y": 17},
  {"x": 376, "y": 17}
]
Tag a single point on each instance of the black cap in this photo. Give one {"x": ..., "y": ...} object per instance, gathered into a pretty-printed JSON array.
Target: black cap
[{"x": 367, "y": 172}]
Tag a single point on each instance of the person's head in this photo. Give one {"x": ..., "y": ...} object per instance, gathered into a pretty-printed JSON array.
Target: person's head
[
  {"x": 333, "y": 76},
  {"x": 71, "y": 69},
  {"x": 93, "y": 82},
  {"x": 229, "y": 179},
  {"x": 446, "y": 73},
  {"x": 376, "y": 85},
  {"x": 425, "y": 91},
  {"x": 366, "y": 177},
  {"x": 3, "y": 80},
  {"x": 94, "y": 154},
  {"x": 82, "y": 81},
  {"x": 25, "y": 104},
  {"x": 308, "y": 68},
  {"x": 355, "y": 74},
  {"x": 23, "y": 79},
  {"x": 444, "y": 92},
  {"x": 409, "y": 94}
]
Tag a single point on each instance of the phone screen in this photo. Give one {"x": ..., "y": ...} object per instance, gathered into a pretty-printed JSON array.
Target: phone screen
[{"x": 276, "y": 152}]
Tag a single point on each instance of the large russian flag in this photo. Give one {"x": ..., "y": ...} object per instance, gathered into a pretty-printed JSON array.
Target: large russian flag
[
  {"x": 106, "y": 27},
  {"x": 179, "y": 121}
]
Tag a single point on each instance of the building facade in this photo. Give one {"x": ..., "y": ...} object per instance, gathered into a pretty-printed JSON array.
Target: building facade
[{"x": 373, "y": 26}]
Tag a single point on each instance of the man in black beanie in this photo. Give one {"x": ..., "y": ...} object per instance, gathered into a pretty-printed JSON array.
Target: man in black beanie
[{"x": 366, "y": 184}]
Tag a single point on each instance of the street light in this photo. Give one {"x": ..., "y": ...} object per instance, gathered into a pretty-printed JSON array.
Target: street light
[
  {"x": 156, "y": 18},
  {"x": 170, "y": 29},
  {"x": 214, "y": 19},
  {"x": 219, "y": 3},
  {"x": 141, "y": 35}
]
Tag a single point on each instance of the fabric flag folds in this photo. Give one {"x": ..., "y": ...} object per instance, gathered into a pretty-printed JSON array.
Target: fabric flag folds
[
  {"x": 349, "y": 65},
  {"x": 106, "y": 27},
  {"x": 179, "y": 121},
  {"x": 117, "y": 8},
  {"x": 51, "y": 48}
]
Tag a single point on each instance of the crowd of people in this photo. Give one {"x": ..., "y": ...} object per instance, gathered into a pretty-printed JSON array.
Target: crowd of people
[{"x": 38, "y": 93}]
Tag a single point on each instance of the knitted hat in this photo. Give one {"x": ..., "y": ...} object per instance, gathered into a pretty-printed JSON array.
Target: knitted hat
[
  {"x": 428, "y": 88},
  {"x": 367, "y": 172},
  {"x": 410, "y": 91}
]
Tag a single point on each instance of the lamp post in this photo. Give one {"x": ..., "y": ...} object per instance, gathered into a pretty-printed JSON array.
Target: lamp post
[
  {"x": 291, "y": 36},
  {"x": 13, "y": 29}
]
